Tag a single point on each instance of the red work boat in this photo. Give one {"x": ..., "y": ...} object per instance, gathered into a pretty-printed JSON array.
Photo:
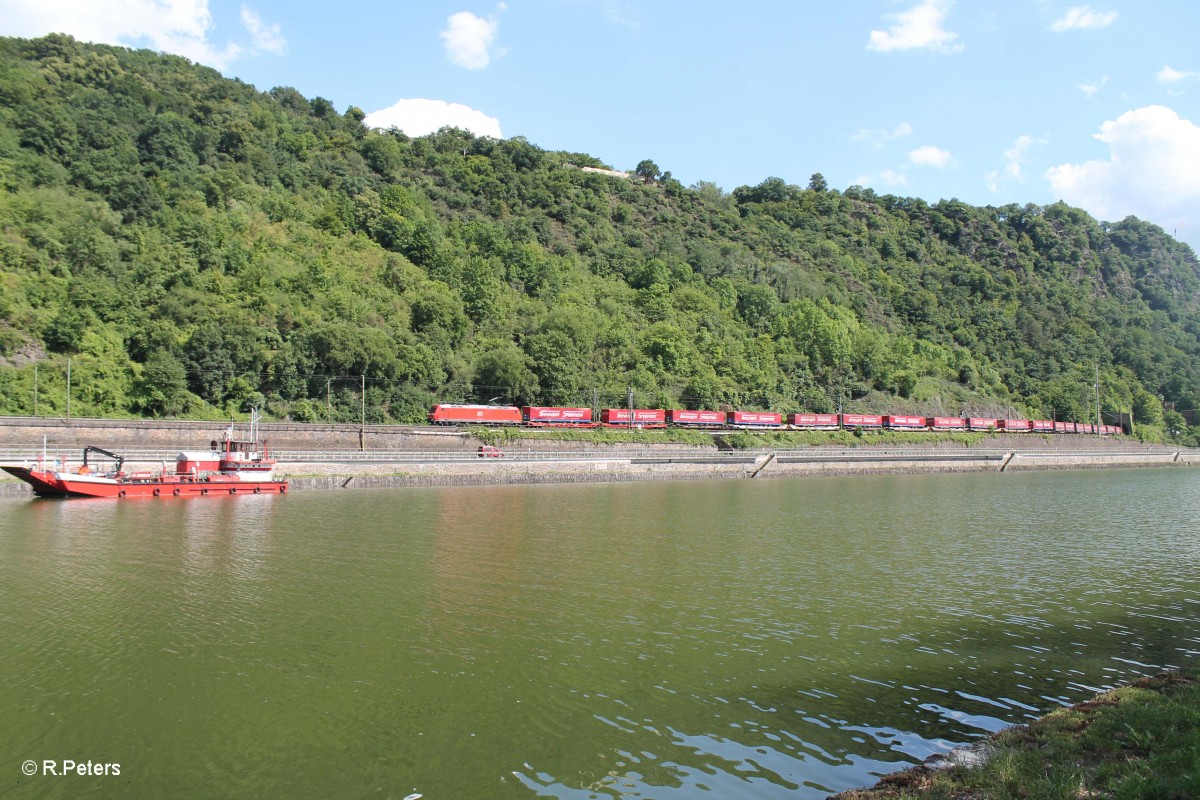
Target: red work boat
[{"x": 229, "y": 467}]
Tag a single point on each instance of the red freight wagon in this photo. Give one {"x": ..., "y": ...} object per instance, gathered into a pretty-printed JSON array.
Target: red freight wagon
[
  {"x": 981, "y": 423},
  {"x": 642, "y": 418},
  {"x": 949, "y": 424},
  {"x": 1085, "y": 427},
  {"x": 454, "y": 414},
  {"x": 814, "y": 422},
  {"x": 696, "y": 419},
  {"x": 862, "y": 421},
  {"x": 551, "y": 415},
  {"x": 1061, "y": 427},
  {"x": 898, "y": 421},
  {"x": 1042, "y": 426},
  {"x": 754, "y": 419},
  {"x": 1016, "y": 425}
]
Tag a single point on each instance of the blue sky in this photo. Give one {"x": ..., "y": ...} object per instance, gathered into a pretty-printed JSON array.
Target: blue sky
[{"x": 1029, "y": 101}]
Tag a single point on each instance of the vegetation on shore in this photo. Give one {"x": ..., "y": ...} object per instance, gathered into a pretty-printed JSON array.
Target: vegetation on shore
[
  {"x": 502, "y": 436},
  {"x": 748, "y": 440},
  {"x": 1138, "y": 741},
  {"x": 188, "y": 246}
]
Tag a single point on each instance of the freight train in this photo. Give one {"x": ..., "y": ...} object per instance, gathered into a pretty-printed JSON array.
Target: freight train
[{"x": 652, "y": 418}]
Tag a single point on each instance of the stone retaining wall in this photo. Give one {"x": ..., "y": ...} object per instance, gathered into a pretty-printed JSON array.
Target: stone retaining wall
[
  {"x": 74, "y": 435},
  {"x": 187, "y": 435}
]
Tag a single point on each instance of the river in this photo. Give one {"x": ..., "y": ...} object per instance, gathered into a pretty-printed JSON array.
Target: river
[{"x": 782, "y": 638}]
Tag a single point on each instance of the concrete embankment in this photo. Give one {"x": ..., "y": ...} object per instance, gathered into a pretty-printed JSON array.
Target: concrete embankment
[
  {"x": 755, "y": 465},
  {"x": 317, "y": 457}
]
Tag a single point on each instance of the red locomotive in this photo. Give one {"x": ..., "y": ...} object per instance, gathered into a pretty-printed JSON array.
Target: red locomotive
[{"x": 460, "y": 413}]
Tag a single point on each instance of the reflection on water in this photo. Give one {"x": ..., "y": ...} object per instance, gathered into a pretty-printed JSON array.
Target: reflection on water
[{"x": 752, "y": 638}]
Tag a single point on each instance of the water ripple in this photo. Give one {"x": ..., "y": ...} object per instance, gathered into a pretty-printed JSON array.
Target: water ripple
[{"x": 753, "y": 639}]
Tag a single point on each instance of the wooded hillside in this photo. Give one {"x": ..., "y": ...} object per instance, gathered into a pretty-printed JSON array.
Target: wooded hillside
[{"x": 196, "y": 247}]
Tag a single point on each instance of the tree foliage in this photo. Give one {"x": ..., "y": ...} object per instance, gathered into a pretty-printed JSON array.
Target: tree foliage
[{"x": 194, "y": 245}]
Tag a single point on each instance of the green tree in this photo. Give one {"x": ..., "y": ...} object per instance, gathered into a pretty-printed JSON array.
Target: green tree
[
  {"x": 503, "y": 369},
  {"x": 152, "y": 209},
  {"x": 161, "y": 390},
  {"x": 647, "y": 170}
]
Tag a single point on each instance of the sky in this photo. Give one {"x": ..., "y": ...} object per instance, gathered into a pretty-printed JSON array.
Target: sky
[{"x": 1028, "y": 101}]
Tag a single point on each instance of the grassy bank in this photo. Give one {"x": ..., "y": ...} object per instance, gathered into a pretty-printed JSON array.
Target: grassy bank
[
  {"x": 738, "y": 441},
  {"x": 1139, "y": 741}
]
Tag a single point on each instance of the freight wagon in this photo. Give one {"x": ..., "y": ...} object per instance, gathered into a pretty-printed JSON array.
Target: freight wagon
[
  {"x": 813, "y": 422},
  {"x": 696, "y": 419},
  {"x": 900, "y": 422},
  {"x": 871, "y": 421},
  {"x": 641, "y": 418},
  {"x": 753, "y": 419},
  {"x": 550, "y": 416}
]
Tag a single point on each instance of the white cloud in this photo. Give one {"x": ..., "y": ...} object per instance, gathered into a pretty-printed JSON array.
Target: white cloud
[
  {"x": 1091, "y": 89},
  {"x": 929, "y": 156},
  {"x": 469, "y": 40},
  {"x": 182, "y": 27},
  {"x": 418, "y": 117},
  {"x": 895, "y": 178},
  {"x": 878, "y": 137},
  {"x": 622, "y": 14},
  {"x": 1015, "y": 158},
  {"x": 1083, "y": 18},
  {"x": 1168, "y": 75},
  {"x": 886, "y": 179},
  {"x": 918, "y": 28},
  {"x": 266, "y": 37},
  {"x": 1153, "y": 170}
]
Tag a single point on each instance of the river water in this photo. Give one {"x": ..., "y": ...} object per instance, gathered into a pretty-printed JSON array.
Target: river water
[{"x": 752, "y": 639}]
